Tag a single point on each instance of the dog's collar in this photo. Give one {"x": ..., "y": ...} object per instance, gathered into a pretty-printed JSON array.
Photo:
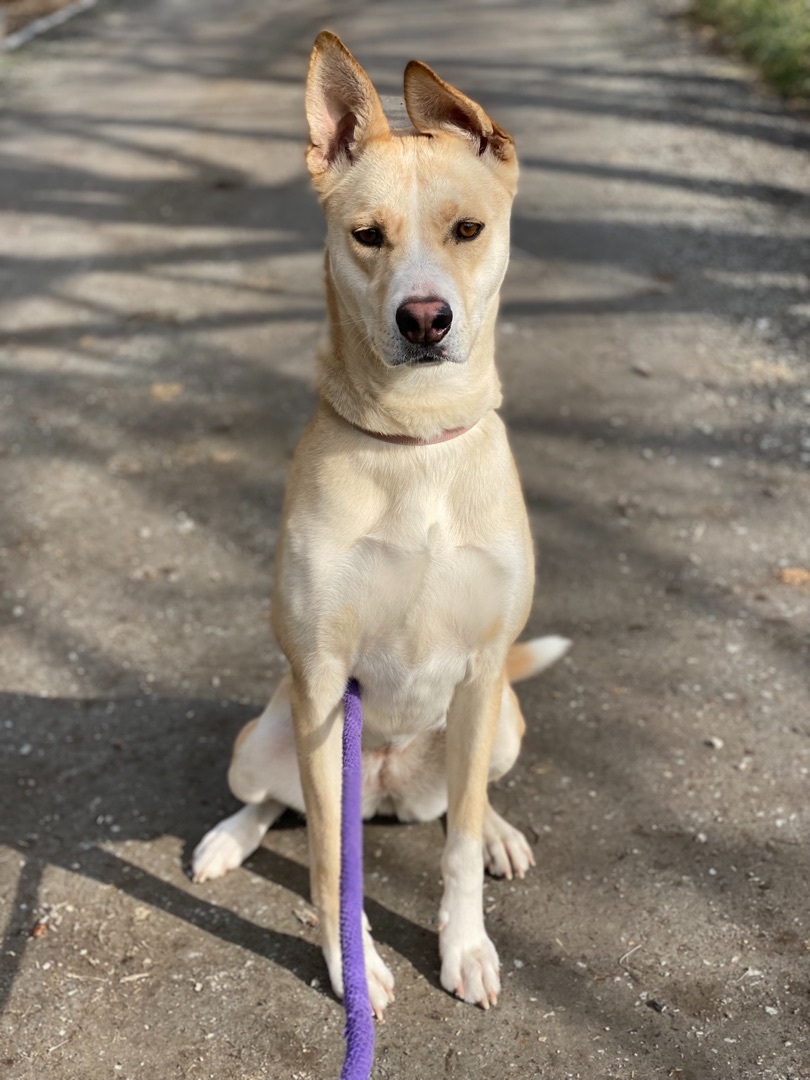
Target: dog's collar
[{"x": 414, "y": 440}]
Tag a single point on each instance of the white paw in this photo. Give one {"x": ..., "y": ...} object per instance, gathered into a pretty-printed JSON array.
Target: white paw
[
  {"x": 227, "y": 845},
  {"x": 380, "y": 980},
  {"x": 506, "y": 850},
  {"x": 215, "y": 855},
  {"x": 470, "y": 970},
  {"x": 378, "y": 974}
]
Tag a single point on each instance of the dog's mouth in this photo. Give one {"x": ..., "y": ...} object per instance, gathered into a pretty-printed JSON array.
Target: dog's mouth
[
  {"x": 420, "y": 356},
  {"x": 428, "y": 356}
]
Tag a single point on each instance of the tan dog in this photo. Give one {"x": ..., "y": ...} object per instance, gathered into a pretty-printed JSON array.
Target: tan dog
[{"x": 405, "y": 558}]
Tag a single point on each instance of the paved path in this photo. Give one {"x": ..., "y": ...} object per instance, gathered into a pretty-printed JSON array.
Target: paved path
[{"x": 160, "y": 299}]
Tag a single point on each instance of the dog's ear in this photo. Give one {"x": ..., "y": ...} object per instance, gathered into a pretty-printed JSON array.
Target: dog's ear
[
  {"x": 342, "y": 106},
  {"x": 433, "y": 105}
]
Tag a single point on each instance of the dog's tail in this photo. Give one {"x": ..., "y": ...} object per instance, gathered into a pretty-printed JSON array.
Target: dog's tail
[{"x": 527, "y": 658}]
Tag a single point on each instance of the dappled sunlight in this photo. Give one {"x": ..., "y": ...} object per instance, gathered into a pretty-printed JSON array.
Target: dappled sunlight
[{"x": 161, "y": 304}]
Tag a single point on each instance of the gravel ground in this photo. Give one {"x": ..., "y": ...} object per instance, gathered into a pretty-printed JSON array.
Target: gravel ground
[{"x": 160, "y": 297}]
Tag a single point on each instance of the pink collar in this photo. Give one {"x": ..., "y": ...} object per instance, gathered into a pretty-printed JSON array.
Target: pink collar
[{"x": 414, "y": 440}]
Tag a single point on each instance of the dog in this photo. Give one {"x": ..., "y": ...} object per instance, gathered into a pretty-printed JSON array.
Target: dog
[{"x": 404, "y": 557}]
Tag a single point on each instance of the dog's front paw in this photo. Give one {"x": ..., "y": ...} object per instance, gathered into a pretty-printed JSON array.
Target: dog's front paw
[
  {"x": 470, "y": 969},
  {"x": 378, "y": 974}
]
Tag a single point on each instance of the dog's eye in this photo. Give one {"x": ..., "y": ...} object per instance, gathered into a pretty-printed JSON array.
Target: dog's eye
[
  {"x": 371, "y": 237},
  {"x": 468, "y": 230}
]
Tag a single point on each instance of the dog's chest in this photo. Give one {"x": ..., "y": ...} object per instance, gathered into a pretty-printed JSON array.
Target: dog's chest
[{"x": 428, "y": 600}]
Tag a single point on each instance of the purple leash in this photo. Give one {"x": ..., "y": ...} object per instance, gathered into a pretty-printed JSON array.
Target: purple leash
[{"x": 359, "y": 1021}]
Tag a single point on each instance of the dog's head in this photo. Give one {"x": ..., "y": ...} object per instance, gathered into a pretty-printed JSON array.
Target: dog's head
[{"x": 418, "y": 220}]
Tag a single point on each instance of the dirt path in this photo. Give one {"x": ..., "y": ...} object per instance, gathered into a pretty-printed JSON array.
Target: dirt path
[{"x": 160, "y": 300}]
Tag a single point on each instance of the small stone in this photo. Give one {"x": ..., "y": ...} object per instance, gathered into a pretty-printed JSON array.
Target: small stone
[
  {"x": 715, "y": 742},
  {"x": 185, "y": 524}
]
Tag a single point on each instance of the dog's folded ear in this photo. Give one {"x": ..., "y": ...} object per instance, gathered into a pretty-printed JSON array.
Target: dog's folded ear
[
  {"x": 433, "y": 105},
  {"x": 343, "y": 108}
]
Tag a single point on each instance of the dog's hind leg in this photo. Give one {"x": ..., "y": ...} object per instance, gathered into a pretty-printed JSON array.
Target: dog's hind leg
[
  {"x": 264, "y": 763},
  {"x": 229, "y": 843},
  {"x": 506, "y": 850},
  {"x": 264, "y": 775}
]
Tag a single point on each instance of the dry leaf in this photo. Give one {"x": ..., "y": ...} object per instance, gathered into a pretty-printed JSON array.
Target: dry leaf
[
  {"x": 794, "y": 575},
  {"x": 166, "y": 391},
  {"x": 223, "y": 455},
  {"x": 306, "y": 916}
]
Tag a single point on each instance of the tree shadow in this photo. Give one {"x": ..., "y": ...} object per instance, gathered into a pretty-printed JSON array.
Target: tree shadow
[
  {"x": 216, "y": 452},
  {"x": 146, "y": 769}
]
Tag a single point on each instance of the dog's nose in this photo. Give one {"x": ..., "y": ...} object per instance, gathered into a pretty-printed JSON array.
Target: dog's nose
[{"x": 424, "y": 322}]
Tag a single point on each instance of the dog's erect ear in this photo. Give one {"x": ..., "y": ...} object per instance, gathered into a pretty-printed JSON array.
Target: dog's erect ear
[
  {"x": 343, "y": 108},
  {"x": 433, "y": 105}
]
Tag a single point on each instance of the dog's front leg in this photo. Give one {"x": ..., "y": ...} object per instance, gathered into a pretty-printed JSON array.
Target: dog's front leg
[
  {"x": 469, "y": 960},
  {"x": 318, "y": 720}
]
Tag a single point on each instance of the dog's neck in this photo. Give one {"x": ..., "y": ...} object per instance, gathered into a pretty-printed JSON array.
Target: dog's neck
[
  {"x": 414, "y": 440},
  {"x": 418, "y": 403}
]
